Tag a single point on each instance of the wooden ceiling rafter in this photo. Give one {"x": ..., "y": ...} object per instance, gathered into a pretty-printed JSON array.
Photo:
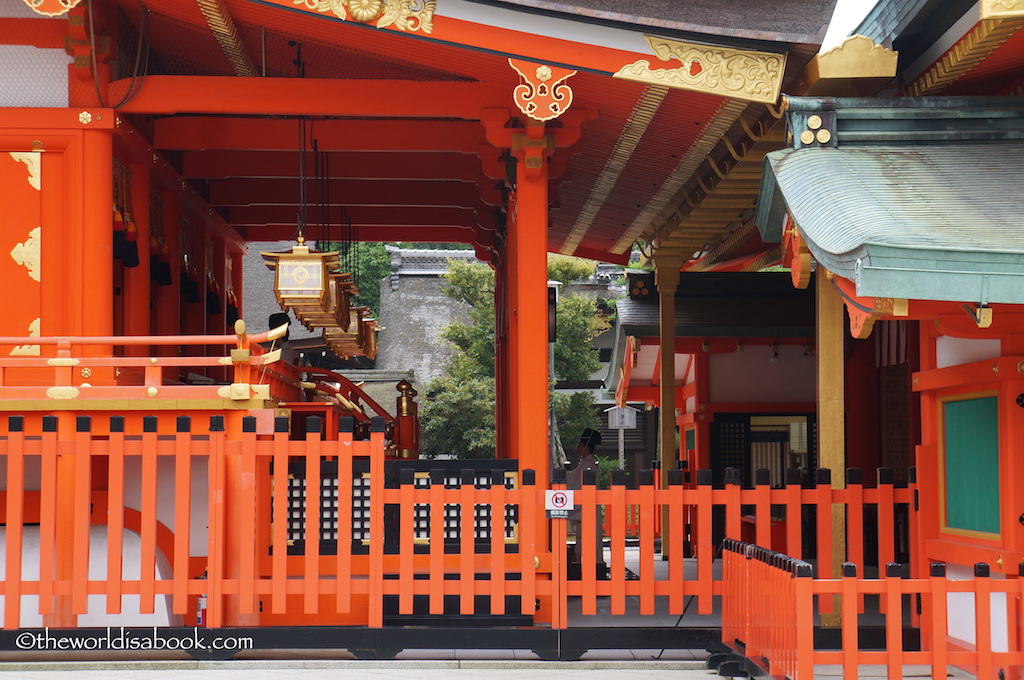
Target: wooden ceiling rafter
[
  {"x": 644, "y": 225},
  {"x": 726, "y": 192},
  {"x": 639, "y": 119}
]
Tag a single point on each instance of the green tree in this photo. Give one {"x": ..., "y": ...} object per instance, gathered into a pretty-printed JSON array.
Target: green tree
[
  {"x": 566, "y": 269},
  {"x": 368, "y": 263},
  {"x": 458, "y": 415}
]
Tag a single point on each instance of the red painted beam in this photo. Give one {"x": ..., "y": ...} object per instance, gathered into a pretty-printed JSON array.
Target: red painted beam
[
  {"x": 246, "y": 192},
  {"x": 382, "y": 234},
  {"x": 200, "y": 132},
  {"x": 311, "y": 97},
  {"x": 42, "y": 33},
  {"x": 342, "y": 165},
  {"x": 397, "y": 216}
]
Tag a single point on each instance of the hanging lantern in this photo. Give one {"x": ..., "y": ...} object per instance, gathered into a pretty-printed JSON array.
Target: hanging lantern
[{"x": 301, "y": 276}]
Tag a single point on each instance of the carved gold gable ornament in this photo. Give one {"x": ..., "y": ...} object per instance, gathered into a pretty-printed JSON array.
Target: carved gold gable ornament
[
  {"x": 737, "y": 74},
  {"x": 52, "y": 8},
  {"x": 405, "y": 15},
  {"x": 543, "y": 94}
]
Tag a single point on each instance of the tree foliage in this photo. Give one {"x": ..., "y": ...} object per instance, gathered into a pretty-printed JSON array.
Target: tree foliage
[
  {"x": 458, "y": 416},
  {"x": 566, "y": 269},
  {"x": 368, "y": 263}
]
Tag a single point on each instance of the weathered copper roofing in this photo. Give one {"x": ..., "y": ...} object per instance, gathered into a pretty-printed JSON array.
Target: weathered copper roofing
[{"x": 918, "y": 200}]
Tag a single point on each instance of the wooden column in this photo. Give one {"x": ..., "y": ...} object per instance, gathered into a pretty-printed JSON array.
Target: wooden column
[
  {"x": 666, "y": 280},
  {"x": 137, "y": 283},
  {"x": 93, "y": 310},
  {"x": 528, "y": 240},
  {"x": 831, "y": 336}
]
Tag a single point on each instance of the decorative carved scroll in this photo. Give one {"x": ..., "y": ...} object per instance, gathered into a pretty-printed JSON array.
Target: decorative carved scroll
[{"x": 738, "y": 74}]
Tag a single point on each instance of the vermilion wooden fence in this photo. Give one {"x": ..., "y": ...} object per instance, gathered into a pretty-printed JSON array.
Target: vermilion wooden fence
[
  {"x": 337, "y": 543},
  {"x": 769, "y": 617}
]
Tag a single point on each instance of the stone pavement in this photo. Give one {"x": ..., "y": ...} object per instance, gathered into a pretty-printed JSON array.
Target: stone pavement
[{"x": 356, "y": 670}]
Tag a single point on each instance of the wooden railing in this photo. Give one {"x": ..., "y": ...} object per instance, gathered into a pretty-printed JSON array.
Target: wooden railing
[
  {"x": 276, "y": 552},
  {"x": 768, "y": 616}
]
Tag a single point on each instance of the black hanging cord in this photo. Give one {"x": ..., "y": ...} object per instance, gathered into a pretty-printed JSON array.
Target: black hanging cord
[{"x": 138, "y": 75}]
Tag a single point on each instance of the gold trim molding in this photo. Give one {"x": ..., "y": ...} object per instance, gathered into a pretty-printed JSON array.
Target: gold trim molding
[
  {"x": 66, "y": 392},
  {"x": 29, "y": 350},
  {"x": 738, "y": 74},
  {"x": 1002, "y": 9},
  {"x": 974, "y": 47},
  {"x": 405, "y": 15}
]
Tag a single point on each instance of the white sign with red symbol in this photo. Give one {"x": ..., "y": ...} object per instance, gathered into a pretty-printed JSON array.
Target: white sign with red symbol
[{"x": 558, "y": 503}]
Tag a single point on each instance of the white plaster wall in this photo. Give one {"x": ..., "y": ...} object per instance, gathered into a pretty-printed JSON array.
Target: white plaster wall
[
  {"x": 960, "y": 610},
  {"x": 751, "y": 376},
  {"x": 131, "y": 546},
  {"x": 165, "y": 494},
  {"x": 955, "y": 351}
]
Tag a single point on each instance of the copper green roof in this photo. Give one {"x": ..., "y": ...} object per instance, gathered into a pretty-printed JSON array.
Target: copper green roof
[{"x": 935, "y": 219}]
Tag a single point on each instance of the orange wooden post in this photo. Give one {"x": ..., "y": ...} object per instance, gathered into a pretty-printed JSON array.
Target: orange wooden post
[
  {"x": 89, "y": 313},
  {"x": 794, "y": 514},
  {"x": 617, "y": 574},
  {"x": 559, "y": 538},
  {"x": 467, "y": 540},
  {"x": 886, "y": 517},
  {"x": 983, "y": 620},
  {"x": 376, "y": 575},
  {"x": 182, "y": 514},
  {"x": 14, "y": 452},
  {"x": 147, "y": 559},
  {"x": 406, "y": 539},
  {"x": 115, "y": 514},
  {"x": 586, "y": 502},
  {"x": 705, "y": 551},
  {"x": 763, "y": 509},
  {"x": 938, "y": 624},
  {"x": 673, "y": 496},
  {"x": 57, "y": 547},
  {"x": 733, "y": 518},
  {"x": 529, "y": 508},
  {"x": 649, "y": 516},
  {"x": 849, "y": 600},
  {"x": 279, "y": 537},
  {"x": 343, "y": 559},
  {"x": 893, "y": 597},
  {"x": 855, "y": 523},
  {"x": 82, "y": 513},
  {"x": 437, "y": 530},
  {"x": 218, "y": 534},
  {"x": 825, "y": 539},
  {"x": 245, "y": 449},
  {"x": 497, "y": 542},
  {"x": 313, "y": 503},
  {"x": 803, "y": 608}
]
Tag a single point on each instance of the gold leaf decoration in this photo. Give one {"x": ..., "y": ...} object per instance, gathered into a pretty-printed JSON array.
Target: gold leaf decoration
[
  {"x": 29, "y": 350},
  {"x": 738, "y": 74},
  {"x": 409, "y": 15},
  {"x": 31, "y": 161},
  {"x": 27, "y": 253}
]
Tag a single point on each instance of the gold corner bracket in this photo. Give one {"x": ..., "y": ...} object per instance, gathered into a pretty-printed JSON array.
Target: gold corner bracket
[
  {"x": 737, "y": 74},
  {"x": 1002, "y": 9},
  {"x": 543, "y": 94}
]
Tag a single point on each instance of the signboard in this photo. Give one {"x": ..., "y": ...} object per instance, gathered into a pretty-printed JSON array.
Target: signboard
[
  {"x": 558, "y": 504},
  {"x": 621, "y": 417}
]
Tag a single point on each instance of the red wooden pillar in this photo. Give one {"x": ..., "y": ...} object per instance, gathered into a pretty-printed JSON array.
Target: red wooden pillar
[
  {"x": 94, "y": 308},
  {"x": 527, "y": 251},
  {"x": 137, "y": 283},
  {"x": 502, "y": 364},
  {"x": 168, "y": 298}
]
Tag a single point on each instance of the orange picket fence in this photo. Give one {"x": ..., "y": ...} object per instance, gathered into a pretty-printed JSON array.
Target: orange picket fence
[
  {"x": 269, "y": 530},
  {"x": 769, "y": 617}
]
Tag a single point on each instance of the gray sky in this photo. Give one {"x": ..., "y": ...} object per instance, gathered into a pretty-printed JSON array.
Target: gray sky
[{"x": 848, "y": 14}]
